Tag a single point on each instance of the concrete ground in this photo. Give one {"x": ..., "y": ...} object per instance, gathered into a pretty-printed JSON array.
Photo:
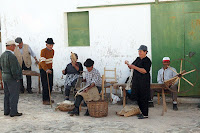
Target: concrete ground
[{"x": 38, "y": 118}]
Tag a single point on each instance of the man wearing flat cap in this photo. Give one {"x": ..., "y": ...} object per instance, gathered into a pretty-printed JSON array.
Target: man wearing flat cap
[
  {"x": 92, "y": 90},
  {"x": 11, "y": 74},
  {"x": 166, "y": 73},
  {"x": 23, "y": 52},
  {"x": 46, "y": 70}
]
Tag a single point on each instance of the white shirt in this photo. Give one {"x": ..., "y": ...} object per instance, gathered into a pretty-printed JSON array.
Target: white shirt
[
  {"x": 10, "y": 51},
  {"x": 166, "y": 74},
  {"x": 29, "y": 50}
]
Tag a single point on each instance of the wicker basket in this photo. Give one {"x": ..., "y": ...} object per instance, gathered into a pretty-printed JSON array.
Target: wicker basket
[{"x": 98, "y": 108}]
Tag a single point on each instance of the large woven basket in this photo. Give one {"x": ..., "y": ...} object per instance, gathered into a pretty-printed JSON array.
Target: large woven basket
[{"x": 98, "y": 108}]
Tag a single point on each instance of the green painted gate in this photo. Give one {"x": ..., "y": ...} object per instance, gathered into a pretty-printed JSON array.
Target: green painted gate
[{"x": 176, "y": 33}]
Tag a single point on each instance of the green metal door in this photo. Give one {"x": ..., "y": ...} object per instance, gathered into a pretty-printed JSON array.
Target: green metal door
[
  {"x": 167, "y": 35},
  {"x": 171, "y": 28},
  {"x": 192, "y": 49}
]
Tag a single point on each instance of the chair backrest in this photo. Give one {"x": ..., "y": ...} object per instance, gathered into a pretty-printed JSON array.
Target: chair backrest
[
  {"x": 110, "y": 78},
  {"x": 103, "y": 85}
]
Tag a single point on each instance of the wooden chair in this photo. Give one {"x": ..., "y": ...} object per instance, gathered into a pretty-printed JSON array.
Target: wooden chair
[{"x": 109, "y": 81}]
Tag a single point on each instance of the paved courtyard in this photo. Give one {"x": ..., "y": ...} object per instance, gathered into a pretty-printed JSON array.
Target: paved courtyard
[{"x": 38, "y": 118}]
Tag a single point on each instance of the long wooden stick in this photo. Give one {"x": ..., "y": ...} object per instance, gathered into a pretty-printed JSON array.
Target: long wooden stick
[
  {"x": 179, "y": 84},
  {"x": 49, "y": 90},
  {"x": 188, "y": 81},
  {"x": 189, "y": 72},
  {"x": 175, "y": 81},
  {"x": 181, "y": 66},
  {"x": 172, "y": 69}
]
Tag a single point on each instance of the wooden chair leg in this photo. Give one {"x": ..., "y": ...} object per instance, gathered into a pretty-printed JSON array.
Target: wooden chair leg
[
  {"x": 124, "y": 97},
  {"x": 158, "y": 95},
  {"x": 111, "y": 93},
  {"x": 164, "y": 102}
]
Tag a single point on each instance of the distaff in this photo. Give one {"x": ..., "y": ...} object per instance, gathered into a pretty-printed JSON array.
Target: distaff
[{"x": 140, "y": 90}]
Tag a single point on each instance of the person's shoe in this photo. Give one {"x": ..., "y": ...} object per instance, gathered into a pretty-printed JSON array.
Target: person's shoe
[
  {"x": 29, "y": 91},
  {"x": 46, "y": 102},
  {"x": 151, "y": 105},
  {"x": 139, "y": 115},
  {"x": 6, "y": 114},
  {"x": 18, "y": 114},
  {"x": 175, "y": 108},
  {"x": 66, "y": 98},
  {"x": 87, "y": 113},
  {"x": 75, "y": 111},
  {"x": 142, "y": 117},
  {"x": 198, "y": 105}
]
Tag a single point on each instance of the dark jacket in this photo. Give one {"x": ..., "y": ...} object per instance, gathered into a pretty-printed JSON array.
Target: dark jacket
[
  {"x": 72, "y": 70},
  {"x": 10, "y": 67}
]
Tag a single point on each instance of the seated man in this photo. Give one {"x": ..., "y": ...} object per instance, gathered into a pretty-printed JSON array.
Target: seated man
[
  {"x": 72, "y": 72},
  {"x": 93, "y": 87},
  {"x": 164, "y": 74}
]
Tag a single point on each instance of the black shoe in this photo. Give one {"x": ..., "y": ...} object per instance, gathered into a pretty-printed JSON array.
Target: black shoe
[
  {"x": 30, "y": 91},
  {"x": 87, "y": 113},
  {"x": 175, "y": 108},
  {"x": 198, "y": 106},
  {"x": 18, "y": 114},
  {"x": 67, "y": 98},
  {"x": 151, "y": 105},
  {"x": 142, "y": 117},
  {"x": 6, "y": 114},
  {"x": 139, "y": 115},
  {"x": 75, "y": 111}
]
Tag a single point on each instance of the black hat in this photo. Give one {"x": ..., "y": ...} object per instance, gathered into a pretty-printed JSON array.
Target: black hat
[
  {"x": 88, "y": 63},
  {"x": 18, "y": 40},
  {"x": 49, "y": 41},
  {"x": 143, "y": 47}
]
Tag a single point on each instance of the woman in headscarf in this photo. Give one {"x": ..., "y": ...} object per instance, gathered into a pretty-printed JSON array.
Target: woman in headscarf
[{"x": 72, "y": 72}]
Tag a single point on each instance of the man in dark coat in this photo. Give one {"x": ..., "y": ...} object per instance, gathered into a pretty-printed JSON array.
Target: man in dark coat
[{"x": 11, "y": 75}]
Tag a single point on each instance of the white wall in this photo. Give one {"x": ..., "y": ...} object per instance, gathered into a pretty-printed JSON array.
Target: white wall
[{"x": 115, "y": 33}]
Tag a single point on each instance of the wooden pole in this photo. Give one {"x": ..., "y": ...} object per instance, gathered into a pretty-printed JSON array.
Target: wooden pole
[{"x": 49, "y": 90}]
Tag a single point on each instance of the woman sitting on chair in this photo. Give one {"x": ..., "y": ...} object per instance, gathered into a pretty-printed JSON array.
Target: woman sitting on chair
[
  {"x": 92, "y": 89},
  {"x": 72, "y": 72}
]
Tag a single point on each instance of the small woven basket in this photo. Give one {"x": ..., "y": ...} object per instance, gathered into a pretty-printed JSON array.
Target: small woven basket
[{"x": 98, "y": 109}]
